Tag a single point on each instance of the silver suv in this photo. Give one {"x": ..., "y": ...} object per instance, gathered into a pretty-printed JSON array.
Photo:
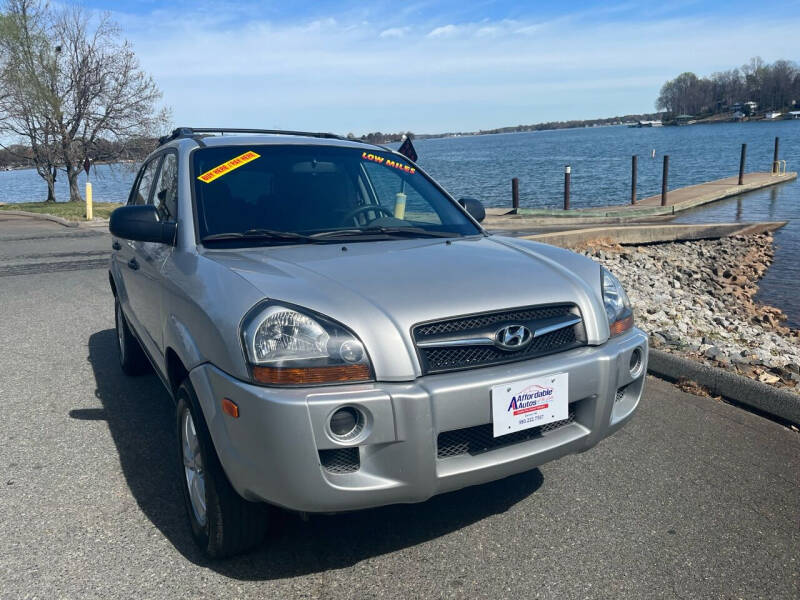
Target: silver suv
[{"x": 339, "y": 333}]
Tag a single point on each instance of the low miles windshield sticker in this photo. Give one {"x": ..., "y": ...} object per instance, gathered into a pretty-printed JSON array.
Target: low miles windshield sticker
[
  {"x": 387, "y": 162},
  {"x": 228, "y": 166}
]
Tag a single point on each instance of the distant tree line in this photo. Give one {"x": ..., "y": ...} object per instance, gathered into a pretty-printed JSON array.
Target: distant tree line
[
  {"x": 773, "y": 86},
  {"x": 70, "y": 89},
  {"x": 387, "y": 138},
  {"x": 17, "y": 156},
  {"x": 381, "y": 138},
  {"x": 618, "y": 120}
]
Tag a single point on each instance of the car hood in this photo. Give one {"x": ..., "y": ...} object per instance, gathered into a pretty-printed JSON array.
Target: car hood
[{"x": 380, "y": 290}]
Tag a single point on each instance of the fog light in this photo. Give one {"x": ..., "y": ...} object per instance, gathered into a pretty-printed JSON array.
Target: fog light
[
  {"x": 346, "y": 423},
  {"x": 351, "y": 351},
  {"x": 636, "y": 363}
]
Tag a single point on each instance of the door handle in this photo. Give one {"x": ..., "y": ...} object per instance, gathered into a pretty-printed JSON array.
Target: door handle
[
  {"x": 116, "y": 245},
  {"x": 133, "y": 264}
]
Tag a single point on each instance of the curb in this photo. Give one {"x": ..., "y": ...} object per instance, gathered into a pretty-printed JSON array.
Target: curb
[
  {"x": 43, "y": 216},
  {"x": 94, "y": 224},
  {"x": 776, "y": 402}
]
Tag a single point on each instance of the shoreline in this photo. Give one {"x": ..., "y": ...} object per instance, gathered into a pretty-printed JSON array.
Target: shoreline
[{"x": 696, "y": 299}]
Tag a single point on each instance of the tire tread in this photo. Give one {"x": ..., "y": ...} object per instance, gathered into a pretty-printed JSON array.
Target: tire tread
[{"x": 236, "y": 525}]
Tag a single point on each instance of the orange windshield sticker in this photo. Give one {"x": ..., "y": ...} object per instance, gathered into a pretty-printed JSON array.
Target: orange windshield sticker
[
  {"x": 387, "y": 162},
  {"x": 228, "y": 166}
]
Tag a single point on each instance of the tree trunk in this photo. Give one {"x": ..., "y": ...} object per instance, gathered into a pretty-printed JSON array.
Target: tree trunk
[
  {"x": 51, "y": 190},
  {"x": 50, "y": 178},
  {"x": 72, "y": 176}
]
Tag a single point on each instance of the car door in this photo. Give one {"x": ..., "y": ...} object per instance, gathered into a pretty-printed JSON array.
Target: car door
[
  {"x": 135, "y": 296},
  {"x": 151, "y": 256}
]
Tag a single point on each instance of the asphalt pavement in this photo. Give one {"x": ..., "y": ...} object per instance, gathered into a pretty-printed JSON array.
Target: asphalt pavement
[{"x": 693, "y": 499}]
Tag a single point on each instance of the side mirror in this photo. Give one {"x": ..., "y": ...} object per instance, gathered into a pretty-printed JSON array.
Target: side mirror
[
  {"x": 474, "y": 208},
  {"x": 141, "y": 224}
]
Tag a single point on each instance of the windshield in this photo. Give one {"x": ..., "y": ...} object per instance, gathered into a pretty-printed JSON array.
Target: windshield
[{"x": 282, "y": 194}]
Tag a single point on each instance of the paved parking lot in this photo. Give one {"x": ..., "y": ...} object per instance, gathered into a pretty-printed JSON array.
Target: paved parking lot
[{"x": 693, "y": 499}]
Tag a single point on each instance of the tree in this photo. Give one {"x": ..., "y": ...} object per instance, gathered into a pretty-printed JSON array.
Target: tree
[
  {"x": 27, "y": 87},
  {"x": 91, "y": 89},
  {"x": 686, "y": 94},
  {"x": 774, "y": 86}
]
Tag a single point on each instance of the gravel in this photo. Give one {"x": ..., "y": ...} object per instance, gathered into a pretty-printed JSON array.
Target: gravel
[{"x": 697, "y": 299}]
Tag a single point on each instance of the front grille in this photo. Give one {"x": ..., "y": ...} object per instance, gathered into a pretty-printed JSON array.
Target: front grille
[
  {"x": 340, "y": 460},
  {"x": 479, "y": 439},
  {"x": 451, "y": 358}
]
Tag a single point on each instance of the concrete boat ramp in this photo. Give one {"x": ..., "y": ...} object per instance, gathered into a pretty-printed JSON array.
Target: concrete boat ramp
[{"x": 650, "y": 233}]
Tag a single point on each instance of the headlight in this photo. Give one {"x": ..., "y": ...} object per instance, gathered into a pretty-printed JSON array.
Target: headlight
[
  {"x": 618, "y": 307},
  {"x": 292, "y": 346}
]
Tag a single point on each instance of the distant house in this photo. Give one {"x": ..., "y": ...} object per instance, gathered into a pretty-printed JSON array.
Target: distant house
[
  {"x": 792, "y": 114},
  {"x": 748, "y": 108},
  {"x": 738, "y": 116},
  {"x": 773, "y": 114}
]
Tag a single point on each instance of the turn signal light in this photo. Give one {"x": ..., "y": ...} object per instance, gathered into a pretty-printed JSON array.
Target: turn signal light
[
  {"x": 229, "y": 408},
  {"x": 311, "y": 375},
  {"x": 622, "y": 325}
]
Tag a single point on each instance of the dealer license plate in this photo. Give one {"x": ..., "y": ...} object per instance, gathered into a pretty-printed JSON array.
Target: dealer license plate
[{"x": 529, "y": 403}]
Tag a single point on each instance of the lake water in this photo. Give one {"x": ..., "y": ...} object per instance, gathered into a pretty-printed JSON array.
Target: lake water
[{"x": 482, "y": 167}]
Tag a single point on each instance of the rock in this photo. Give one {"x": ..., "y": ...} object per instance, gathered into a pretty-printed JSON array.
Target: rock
[
  {"x": 768, "y": 378},
  {"x": 698, "y": 297}
]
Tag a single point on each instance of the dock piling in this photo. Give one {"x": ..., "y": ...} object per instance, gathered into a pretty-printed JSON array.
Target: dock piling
[
  {"x": 741, "y": 164},
  {"x": 775, "y": 165},
  {"x": 664, "y": 179},
  {"x": 515, "y": 193},
  {"x": 567, "y": 170},
  {"x": 634, "y": 170}
]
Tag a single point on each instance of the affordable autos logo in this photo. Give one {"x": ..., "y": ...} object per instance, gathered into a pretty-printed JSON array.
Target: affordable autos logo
[{"x": 530, "y": 399}]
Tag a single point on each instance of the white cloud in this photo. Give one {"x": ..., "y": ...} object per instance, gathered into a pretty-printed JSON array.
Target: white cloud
[
  {"x": 331, "y": 74},
  {"x": 443, "y": 31},
  {"x": 394, "y": 32}
]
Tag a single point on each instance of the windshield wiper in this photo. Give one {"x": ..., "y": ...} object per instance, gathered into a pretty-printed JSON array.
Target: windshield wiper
[
  {"x": 259, "y": 234},
  {"x": 401, "y": 231}
]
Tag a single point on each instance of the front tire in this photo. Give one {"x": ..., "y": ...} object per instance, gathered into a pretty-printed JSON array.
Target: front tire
[
  {"x": 131, "y": 356},
  {"x": 223, "y": 523}
]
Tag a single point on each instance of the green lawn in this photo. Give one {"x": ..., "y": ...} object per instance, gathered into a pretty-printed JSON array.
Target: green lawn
[{"x": 72, "y": 211}]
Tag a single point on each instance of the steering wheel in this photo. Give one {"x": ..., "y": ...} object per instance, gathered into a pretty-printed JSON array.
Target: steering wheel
[{"x": 347, "y": 219}]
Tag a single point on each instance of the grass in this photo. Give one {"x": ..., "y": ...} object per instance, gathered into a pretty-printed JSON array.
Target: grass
[{"x": 72, "y": 211}]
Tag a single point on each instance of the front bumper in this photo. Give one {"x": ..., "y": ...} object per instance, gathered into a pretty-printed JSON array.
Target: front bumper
[{"x": 272, "y": 452}]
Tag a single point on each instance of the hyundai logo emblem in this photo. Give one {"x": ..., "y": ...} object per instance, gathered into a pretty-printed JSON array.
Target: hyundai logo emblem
[{"x": 513, "y": 337}]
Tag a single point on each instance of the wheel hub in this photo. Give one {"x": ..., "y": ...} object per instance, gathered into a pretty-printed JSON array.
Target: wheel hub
[{"x": 193, "y": 467}]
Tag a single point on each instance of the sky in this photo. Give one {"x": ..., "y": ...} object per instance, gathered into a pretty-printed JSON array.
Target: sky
[{"x": 430, "y": 67}]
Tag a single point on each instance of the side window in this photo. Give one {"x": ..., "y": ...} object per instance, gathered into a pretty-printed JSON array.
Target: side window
[
  {"x": 140, "y": 195},
  {"x": 165, "y": 198}
]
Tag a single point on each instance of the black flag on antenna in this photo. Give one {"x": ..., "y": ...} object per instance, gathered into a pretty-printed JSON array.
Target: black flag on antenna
[{"x": 407, "y": 150}]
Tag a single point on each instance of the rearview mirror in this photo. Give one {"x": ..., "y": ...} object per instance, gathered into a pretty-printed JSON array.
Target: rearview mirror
[
  {"x": 141, "y": 224},
  {"x": 474, "y": 208}
]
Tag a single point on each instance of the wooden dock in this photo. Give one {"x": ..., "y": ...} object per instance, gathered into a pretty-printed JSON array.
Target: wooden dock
[
  {"x": 646, "y": 209},
  {"x": 696, "y": 195}
]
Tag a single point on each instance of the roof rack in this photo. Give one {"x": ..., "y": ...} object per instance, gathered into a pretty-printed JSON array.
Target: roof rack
[{"x": 193, "y": 132}]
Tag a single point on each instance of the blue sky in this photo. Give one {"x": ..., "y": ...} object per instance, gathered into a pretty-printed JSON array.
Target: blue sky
[{"x": 436, "y": 66}]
